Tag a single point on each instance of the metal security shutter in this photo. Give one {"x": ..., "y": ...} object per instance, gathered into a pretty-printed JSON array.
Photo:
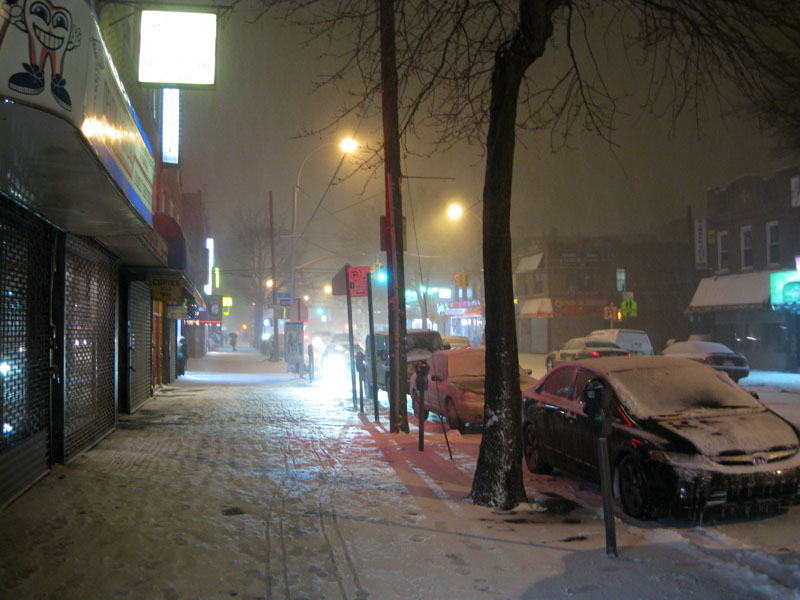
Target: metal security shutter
[
  {"x": 89, "y": 331},
  {"x": 25, "y": 258},
  {"x": 140, "y": 315}
]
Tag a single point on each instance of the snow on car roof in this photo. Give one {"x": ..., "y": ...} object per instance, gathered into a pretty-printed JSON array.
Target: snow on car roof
[
  {"x": 652, "y": 386},
  {"x": 696, "y": 347}
]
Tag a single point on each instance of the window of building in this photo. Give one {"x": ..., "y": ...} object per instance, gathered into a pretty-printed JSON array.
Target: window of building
[
  {"x": 722, "y": 251},
  {"x": 620, "y": 280},
  {"x": 746, "y": 246},
  {"x": 773, "y": 243}
]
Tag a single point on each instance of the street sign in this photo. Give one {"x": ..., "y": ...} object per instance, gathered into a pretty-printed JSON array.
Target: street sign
[
  {"x": 610, "y": 312},
  {"x": 285, "y": 301},
  {"x": 357, "y": 280},
  {"x": 628, "y": 307}
]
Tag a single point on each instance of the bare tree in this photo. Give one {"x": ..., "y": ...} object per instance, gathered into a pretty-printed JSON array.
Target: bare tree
[
  {"x": 250, "y": 244},
  {"x": 467, "y": 70}
]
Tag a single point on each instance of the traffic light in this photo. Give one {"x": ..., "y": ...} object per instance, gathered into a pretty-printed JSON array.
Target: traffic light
[{"x": 461, "y": 279}]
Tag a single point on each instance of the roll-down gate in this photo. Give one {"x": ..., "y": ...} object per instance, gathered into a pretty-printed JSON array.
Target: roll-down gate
[
  {"x": 89, "y": 332},
  {"x": 140, "y": 351},
  {"x": 26, "y": 244}
]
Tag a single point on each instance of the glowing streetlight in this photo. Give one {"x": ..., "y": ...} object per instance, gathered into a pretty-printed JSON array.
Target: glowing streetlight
[
  {"x": 454, "y": 211},
  {"x": 270, "y": 283},
  {"x": 328, "y": 289},
  {"x": 348, "y": 145}
]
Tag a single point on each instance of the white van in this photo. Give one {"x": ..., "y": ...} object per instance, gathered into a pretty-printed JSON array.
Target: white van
[{"x": 633, "y": 340}]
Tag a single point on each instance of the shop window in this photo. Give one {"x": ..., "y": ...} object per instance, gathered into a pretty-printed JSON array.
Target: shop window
[
  {"x": 746, "y": 246},
  {"x": 773, "y": 243},
  {"x": 722, "y": 251}
]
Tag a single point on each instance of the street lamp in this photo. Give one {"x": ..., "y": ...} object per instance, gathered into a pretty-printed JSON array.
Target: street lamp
[{"x": 348, "y": 146}]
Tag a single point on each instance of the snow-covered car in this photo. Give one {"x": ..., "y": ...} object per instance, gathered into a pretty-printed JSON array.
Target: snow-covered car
[
  {"x": 336, "y": 357},
  {"x": 579, "y": 348},
  {"x": 714, "y": 354},
  {"x": 684, "y": 436},
  {"x": 420, "y": 345},
  {"x": 456, "y": 386},
  {"x": 456, "y": 342}
]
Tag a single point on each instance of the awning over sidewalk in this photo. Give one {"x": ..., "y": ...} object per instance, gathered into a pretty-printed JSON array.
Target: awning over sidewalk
[
  {"x": 548, "y": 308},
  {"x": 529, "y": 263},
  {"x": 740, "y": 291}
]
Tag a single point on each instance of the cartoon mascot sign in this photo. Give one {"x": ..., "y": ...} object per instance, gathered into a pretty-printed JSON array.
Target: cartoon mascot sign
[{"x": 51, "y": 34}]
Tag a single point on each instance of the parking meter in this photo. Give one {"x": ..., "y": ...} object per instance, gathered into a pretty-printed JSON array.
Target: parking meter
[
  {"x": 597, "y": 402},
  {"x": 422, "y": 368}
]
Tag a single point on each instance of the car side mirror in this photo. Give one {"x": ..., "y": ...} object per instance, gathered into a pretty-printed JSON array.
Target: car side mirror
[{"x": 446, "y": 346}]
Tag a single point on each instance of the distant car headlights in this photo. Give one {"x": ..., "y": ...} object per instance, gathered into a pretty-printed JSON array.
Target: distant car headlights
[{"x": 334, "y": 365}]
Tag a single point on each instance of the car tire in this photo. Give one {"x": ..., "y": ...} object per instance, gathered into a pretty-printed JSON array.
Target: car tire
[
  {"x": 548, "y": 364},
  {"x": 453, "y": 422},
  {"x": 634, "y": 490},
  {"x": 530, "y": 450},
  {"x": 416, "y": 406}
]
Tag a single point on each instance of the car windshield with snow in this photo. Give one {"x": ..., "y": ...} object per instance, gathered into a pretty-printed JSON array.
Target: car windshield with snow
[{"x": 684, "y": 436}]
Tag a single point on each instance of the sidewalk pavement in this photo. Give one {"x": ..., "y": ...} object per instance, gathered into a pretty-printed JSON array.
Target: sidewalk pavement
[{"x": 222, "y": 487}]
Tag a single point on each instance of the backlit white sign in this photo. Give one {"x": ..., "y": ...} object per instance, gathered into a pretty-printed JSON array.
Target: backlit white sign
[
  {"x": 177, "y": 48},
  {"x": 170, "y": 125}
]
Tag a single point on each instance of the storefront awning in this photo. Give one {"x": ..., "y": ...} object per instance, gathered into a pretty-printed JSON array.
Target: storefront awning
[
  {"x": 72, "y": 147},
  {"x": 740, "y": 291},
  {"x": 529, "y": 263},
  {"x": 548, "y": 308}
]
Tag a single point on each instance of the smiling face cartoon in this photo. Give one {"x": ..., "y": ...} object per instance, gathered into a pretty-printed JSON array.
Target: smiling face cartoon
[{"x": 49, "y": 30}]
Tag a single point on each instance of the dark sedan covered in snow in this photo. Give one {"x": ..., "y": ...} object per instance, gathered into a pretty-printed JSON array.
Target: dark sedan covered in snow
[
  {"x": 684, "y": 436},
  {"x": 580, "y": 348},
  {"x": 714, "y": 354}
]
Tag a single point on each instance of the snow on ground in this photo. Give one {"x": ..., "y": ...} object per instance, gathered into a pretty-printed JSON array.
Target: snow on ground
[{"x": 243, "y": 481}]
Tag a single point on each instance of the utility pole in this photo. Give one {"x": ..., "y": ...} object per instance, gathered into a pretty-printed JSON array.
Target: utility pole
[
  {"x": 398, "y": 374},
  {"x": 273, "y": 349}
]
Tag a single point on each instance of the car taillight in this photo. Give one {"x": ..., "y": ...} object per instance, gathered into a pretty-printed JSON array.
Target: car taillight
[{"x": 595, "y": 353}]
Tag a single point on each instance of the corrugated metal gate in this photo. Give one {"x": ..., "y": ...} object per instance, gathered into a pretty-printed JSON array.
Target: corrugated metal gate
[
  {"x": 140, "y": 314},
  {"x": 25, "y": 273},
  {"x": 89, "y": 332}
]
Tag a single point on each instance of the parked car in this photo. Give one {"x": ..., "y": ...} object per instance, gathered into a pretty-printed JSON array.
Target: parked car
[
  {"x": 578, "y": 348},
  {"x": 456, "y": 387},
  {"x": 320, "y": 340},
  {"x": 715, "y": 355},
  {"x": 336, "y": 357},
  {"x": 633, "y": 340},
  {"x": 455, "y": 342},
  {"x": 684, "y": 436},
  {"x": 420, "y": 345}
]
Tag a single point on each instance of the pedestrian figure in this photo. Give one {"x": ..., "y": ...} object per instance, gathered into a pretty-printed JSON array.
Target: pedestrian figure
[
  {"x": 311, "y": 363},
  {"x": 232, "y": 339},
  {"x": 182, "y": 356}
]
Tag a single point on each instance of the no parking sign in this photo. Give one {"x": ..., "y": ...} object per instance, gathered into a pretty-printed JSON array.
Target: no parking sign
[{"x": 357, "y": 280}]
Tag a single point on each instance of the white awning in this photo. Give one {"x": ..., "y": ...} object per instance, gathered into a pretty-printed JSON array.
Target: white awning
[
  {"x": 537, "y": 308},
  {"x": 529, "y": 263},
  {"x": 731, "y": 292}
]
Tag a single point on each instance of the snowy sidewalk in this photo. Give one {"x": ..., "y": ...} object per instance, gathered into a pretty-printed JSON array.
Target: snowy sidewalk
[{"x": 243, "y": 481}]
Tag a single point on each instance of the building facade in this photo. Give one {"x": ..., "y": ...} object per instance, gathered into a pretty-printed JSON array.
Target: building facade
[
  {"x": 79, "y": 246},
  {"x": 563, "y": 287},
  {"x": 749, "y": 240}
]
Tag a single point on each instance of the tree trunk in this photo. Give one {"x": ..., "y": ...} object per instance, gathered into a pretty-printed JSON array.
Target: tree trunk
[{"x": 498, "y": 474}]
